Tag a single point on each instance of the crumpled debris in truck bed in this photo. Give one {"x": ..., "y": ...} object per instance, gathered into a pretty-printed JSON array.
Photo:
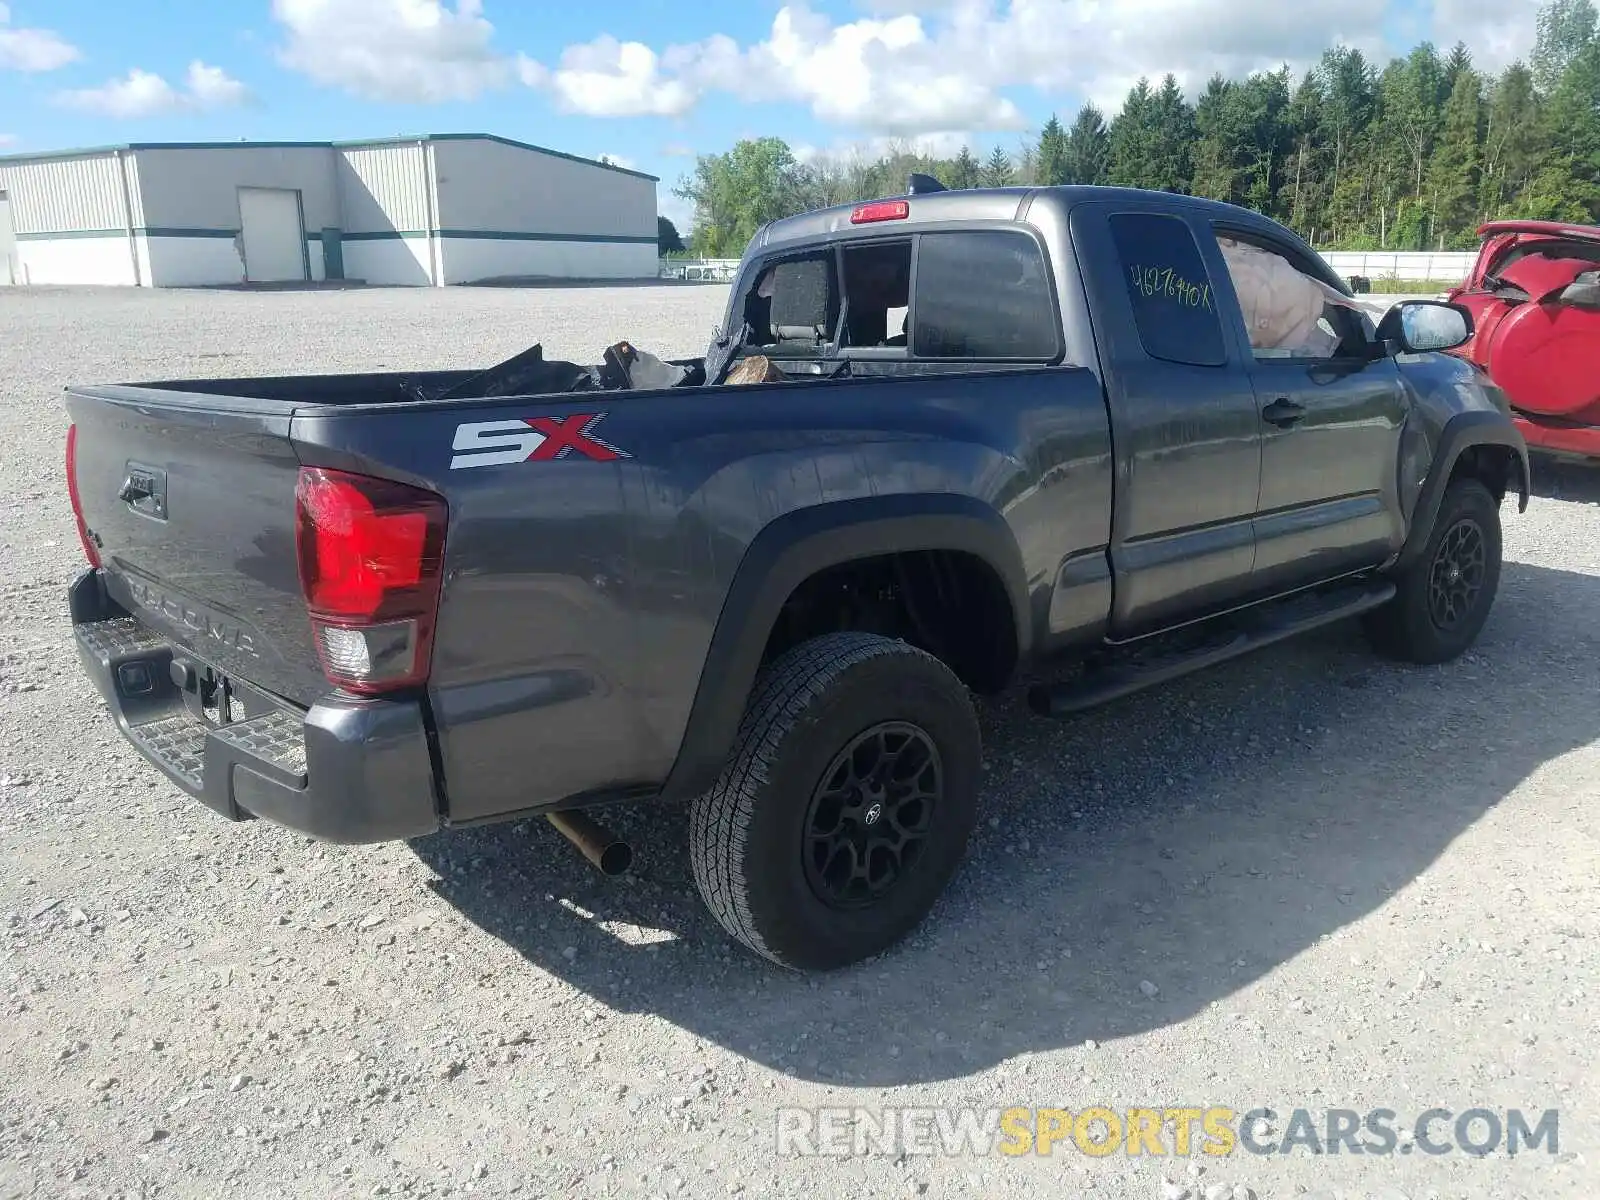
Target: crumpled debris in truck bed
[{"x": 624, "y": 367}]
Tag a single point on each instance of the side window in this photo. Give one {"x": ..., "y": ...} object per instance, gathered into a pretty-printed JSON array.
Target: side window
[
  {"x": 983, "y": 294},
  {"x": 794, "y": 306},
  {"x": 877, "y": 288},
  {"x": 1287, "y": 313},
  {"x": 1173, "y": 305}
]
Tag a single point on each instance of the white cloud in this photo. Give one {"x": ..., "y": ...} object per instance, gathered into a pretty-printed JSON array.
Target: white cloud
[
  {"x": 608, "y": 78},
  {"x": 618, "y": 160},
  {"x": 8, "y": 139},
  {"x": 915, "y": 67},
  {"x": 32, "y": 49},
  {"x": 1495, "y": 42},
  {"x": 212, "y": 87},
  {"x": 422, "y": 51},
  {"x": 880, "y": 74},
  {"x": 143, "y": 94},
  {"x": 939, "y": 144}
]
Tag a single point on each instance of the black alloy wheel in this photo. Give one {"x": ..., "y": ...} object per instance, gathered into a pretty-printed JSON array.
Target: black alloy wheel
[
  {"x": 871, "y": 813},
  {"x": 1456, "y": 575}
]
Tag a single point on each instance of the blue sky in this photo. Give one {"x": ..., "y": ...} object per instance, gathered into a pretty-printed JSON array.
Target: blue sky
[{"x": 650, "y": 84}]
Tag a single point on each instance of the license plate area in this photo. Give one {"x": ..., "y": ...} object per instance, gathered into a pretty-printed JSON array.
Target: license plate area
[{"x": 213, "y": 697}]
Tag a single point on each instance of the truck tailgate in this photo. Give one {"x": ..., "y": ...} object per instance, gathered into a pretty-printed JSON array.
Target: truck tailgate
[{"x": 190, "y": 500}]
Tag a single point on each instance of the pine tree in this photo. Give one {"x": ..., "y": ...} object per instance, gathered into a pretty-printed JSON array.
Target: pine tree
[
  {"x": 1173, "y": 141},
  {"x": 997, "y": 168},
  {"x": 1300, "y": 201},
  {"x": 1568, "y": 186},
  {"x": 1565, "y": 27},
  {"x": 1088, "y": 147},
  {"x": 1512, "y": 142},
  {"x": 1453, "y": 173},
  {"x": 1052, "y": 163},
  {"x": 1347, "y": 85},
  {"x": 1131, "y": 138},
  {"x": 964, "y": 172},
  {"x": 1265, "y": 100},
  {"x": 1459, "y": 60},
  {"x": 1424, "y": 97},
  {"x": 1219, "y": 120}
]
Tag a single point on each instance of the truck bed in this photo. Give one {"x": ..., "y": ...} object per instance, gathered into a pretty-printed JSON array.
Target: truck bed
[{"x": 584, "y": 581}]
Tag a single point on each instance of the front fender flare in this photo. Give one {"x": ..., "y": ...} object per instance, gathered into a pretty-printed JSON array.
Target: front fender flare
[
  {"x": 1460, "y": 433},
  {"x": 790, "y": 550}
]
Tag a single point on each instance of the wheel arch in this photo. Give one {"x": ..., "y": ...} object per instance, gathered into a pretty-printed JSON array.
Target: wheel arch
[
  {"x": 794, "y": 548},
  {"x": 1483, "y": 445}
]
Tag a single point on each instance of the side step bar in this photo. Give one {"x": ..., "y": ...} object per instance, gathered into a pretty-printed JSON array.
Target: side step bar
[{"x": 1243, "y": 632}]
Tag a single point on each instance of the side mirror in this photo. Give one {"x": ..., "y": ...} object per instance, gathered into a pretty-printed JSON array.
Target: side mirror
[
  {"x": 1420, "y": 326},
  {"x": 1583, "y": 292}
]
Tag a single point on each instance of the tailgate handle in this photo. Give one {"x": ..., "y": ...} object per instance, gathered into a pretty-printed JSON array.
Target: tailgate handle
[
  {"x": 144, "y": 490},
  {"x": 136, "y": 487}
]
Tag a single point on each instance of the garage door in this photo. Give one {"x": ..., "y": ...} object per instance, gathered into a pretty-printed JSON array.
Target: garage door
[
  {"x": 274, "y": 243},
  {"x": 10, "y": 269}
]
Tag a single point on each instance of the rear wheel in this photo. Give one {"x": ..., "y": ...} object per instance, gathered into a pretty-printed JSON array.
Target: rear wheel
[
  {"x": 846, "y": 805},
  {"x": 1444, "y": 597}
]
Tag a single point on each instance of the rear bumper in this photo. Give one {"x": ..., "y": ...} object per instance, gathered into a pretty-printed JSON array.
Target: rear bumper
[
  {"x": 1560, "y": 438},
  {"x": 345, "y": 770}
]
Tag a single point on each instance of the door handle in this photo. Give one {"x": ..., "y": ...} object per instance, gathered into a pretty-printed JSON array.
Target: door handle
[{"x": 1282, "y": 412}]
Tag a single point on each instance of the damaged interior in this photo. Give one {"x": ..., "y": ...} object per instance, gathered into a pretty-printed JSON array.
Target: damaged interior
[
  {"x": 961, "y": 299},
  {"x": 964, "y": 299}
]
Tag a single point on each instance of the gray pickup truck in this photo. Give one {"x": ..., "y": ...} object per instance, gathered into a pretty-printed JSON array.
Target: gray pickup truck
[{"x": 990, "y": 431}]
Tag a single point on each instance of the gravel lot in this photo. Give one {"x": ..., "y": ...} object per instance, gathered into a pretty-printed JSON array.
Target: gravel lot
[{"x": 1306, "y": 880}]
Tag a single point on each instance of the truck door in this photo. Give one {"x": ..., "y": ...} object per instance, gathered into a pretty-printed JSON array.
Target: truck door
[
  {"x": 1330, "y": 416},
  {"x": 1184, "y": 423}
]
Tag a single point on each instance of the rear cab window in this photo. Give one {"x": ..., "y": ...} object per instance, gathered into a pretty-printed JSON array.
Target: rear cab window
[
  {"x": 947, "y": 296},
  {"x": 984, "y": 294}
]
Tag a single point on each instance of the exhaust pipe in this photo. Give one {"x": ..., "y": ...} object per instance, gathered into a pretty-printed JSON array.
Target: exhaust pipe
[{"x": 596, "y": 843}]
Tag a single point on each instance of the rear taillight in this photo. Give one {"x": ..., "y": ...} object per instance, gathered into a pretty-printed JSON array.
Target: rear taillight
[
  {"x": 371, "y": 557},
  {"x": 90, "y": 550}
]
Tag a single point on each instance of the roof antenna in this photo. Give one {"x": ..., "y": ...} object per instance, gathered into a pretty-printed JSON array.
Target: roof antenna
[{"x": 920, "y": 184}]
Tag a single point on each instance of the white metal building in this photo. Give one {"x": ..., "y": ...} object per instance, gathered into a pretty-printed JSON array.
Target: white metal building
[{"x": 436, "y": 209}]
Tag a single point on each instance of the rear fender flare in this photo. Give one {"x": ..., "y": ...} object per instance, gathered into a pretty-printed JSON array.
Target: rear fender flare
[{"x": 790, "y": 550}]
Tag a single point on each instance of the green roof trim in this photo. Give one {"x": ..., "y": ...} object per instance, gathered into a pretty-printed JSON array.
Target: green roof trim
[
  {"x": 156, "y": 231},
  {"x": 88, "y": 151},
  {"x": 500, "y": 235}
]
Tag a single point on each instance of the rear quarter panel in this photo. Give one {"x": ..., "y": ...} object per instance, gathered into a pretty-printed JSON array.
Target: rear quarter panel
[{"x": 581, "y": 594}]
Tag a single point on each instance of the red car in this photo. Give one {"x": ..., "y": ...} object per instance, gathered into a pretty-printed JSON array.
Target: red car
[{"x": 1534, "y": 295}]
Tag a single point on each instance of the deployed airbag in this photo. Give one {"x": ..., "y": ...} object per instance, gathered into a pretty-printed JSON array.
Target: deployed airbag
[{"x": 1282, "y": 305}]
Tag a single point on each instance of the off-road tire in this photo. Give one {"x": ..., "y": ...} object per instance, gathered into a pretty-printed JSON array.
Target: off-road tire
[
  {"x": 749, "y": 832},
  {"x": 1407, "y": 627}
]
